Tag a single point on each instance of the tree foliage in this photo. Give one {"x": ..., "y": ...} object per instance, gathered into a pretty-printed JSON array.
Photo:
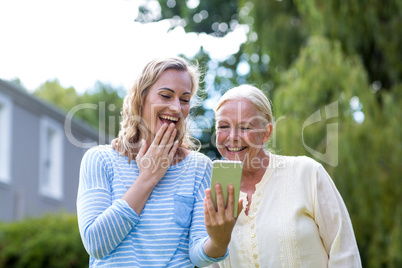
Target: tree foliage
[
  {"x": 277, "y": 33},
  {"x": 211, "y": 17},
  {"x": 105, "y": 115},
  {"x": 53, "y": 92},
  {"x": 366, "y": 173},
  {"x": 365, "y": 27}
]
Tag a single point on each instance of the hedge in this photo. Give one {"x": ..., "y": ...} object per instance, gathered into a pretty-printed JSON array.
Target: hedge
[{"x": 49, "y": 241}]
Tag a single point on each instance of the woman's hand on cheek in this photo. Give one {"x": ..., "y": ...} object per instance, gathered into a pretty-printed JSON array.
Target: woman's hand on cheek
[{"x": 155, "y": 160}]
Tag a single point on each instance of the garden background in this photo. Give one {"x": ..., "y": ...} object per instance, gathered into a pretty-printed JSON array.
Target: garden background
[{"x": 307, "y": 56}]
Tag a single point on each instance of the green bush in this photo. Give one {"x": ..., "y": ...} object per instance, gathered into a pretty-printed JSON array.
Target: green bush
[{"x": 50, "y": 241}]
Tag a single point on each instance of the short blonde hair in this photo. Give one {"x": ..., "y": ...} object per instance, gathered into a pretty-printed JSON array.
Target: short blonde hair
[
  {"x": 133, "y": 128},
  {"x": 253, "y": 95}
]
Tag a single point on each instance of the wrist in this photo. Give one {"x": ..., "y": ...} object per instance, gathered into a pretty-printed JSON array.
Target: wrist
[
  {"x": 137, "y": 195},
  {"x": 148, "y": 179},
  {"x": 214, "y": 250}
]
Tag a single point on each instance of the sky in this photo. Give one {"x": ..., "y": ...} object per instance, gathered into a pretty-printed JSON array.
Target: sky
[{"x": 81, "y": 42}]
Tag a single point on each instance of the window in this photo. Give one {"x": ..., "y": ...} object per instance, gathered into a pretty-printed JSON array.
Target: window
[
  {"x": 5, "y": 138},
  {"x": 51, "y": 159}
]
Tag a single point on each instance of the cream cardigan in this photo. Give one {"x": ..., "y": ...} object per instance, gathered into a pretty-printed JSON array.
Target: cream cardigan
[{"x": 297, "y": 218}]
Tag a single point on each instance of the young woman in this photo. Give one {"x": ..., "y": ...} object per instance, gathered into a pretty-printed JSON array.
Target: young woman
[
  {"x": 141, "y": 200},
  {"x": 294, "y": 216}
]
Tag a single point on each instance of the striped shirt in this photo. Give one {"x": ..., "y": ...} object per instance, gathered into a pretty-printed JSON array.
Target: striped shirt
[{"x": 170, "y": 230}]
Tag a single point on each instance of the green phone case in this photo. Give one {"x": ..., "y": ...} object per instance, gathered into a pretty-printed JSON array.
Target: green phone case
[{"x": 227, "y": 172}]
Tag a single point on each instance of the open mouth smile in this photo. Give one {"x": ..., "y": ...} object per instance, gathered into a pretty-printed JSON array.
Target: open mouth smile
[
  {"x": 169, "y": 119},
  {"x": 236, "y": 149}
]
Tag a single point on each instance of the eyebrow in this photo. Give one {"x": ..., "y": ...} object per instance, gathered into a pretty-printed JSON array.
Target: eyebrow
[
  {"x": 171, "y": 90},
  {"x": 224, "y": 120},
  {"x": 246, "y": 123}
]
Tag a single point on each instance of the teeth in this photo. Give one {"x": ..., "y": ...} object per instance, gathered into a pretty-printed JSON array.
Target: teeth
[
  {"x": 169, "y": 118},
  {"x": 235, "y": 149}
]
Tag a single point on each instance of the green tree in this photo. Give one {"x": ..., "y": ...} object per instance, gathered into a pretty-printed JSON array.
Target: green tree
[
  {"x": 107, "y": 101},
  {"x": 211, "y": 17},
  {"x": 17, "y": 82},
  {"x": 365, "y": 172},
  {"x": 368, "y": 28},
  {"x": 275, "y": 37},
  {"x": 53, "y": 92}
]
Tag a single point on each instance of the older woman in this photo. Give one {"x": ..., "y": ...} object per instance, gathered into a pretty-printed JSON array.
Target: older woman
[
  {"x": 294, "y": 216},
  {"x": 141, "y": 199}
]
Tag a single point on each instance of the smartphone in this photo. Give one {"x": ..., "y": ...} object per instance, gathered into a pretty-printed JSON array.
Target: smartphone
[{"x": 227, "y": 172}]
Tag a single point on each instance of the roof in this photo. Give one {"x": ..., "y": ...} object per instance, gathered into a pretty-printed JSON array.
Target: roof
[{"x": 38, "y": 106}]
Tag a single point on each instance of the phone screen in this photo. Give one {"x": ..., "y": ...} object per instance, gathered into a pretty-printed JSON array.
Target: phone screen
[{"x": 227, "y": 172}]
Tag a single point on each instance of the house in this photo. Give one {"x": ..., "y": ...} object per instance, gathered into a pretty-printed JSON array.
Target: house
[{"x": 41, "y": 149}]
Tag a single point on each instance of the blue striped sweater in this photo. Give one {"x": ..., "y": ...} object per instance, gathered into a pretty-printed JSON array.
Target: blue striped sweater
[{"x": 170, "y": 230}]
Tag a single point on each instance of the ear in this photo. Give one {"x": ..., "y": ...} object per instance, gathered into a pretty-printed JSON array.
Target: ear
[{"x": 268, "y": 132}]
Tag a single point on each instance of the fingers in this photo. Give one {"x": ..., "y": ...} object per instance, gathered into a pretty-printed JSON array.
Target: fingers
[
  {"x": 158, "y": 156},
  {"x": 171, "y": 141},
  {"x": 230, "y": 206},
  {"x": 143, "y": 149},
  {"x": 220, "y": 202},
  {"x": 164, "y": 134},
  {"x": 167, "y": 135},
  {"x": 207, "y": 219},
  {"x": 210, "y": 207},
  {"x": 222, "y": 209},
  {"x": 218, "y": 225},
  {"x": 173, "y": 150},
  {"x": 164, "y": 139},
  {"x": 159, "y": 135}
]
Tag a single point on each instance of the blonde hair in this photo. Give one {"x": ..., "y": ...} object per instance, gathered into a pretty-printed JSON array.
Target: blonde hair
[
  {"x": 133, "y": 128},
  {"x": 253, "y": 95}
]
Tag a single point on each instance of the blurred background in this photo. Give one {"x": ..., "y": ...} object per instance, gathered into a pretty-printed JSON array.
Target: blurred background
[{"x": 65, "y": 67}]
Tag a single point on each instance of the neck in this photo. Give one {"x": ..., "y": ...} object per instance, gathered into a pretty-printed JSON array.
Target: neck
[
  {"x": 252, "y": 175},
  {"x": 256, "y": 164},
  {"x": 181, "y": 153}
]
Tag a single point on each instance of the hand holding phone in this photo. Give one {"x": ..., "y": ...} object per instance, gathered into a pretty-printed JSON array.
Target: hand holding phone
[{"x": 226, "y": 172}]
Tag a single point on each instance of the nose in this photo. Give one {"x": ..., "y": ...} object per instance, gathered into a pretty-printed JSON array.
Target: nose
[
  {"x": 175, "y": 106},
  {"x": 233, "y": 133}
]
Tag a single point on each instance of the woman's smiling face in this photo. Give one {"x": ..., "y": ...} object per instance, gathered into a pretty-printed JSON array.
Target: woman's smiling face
[
  {"x": 240, "y": 131},
  {"x": 167, "y": 100}
]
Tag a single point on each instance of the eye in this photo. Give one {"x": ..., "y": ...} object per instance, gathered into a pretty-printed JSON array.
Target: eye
[
  {"x": 245, "y": 128},
  {"x": 222, "y": 127},
  {"x": 185, "y": 100},
  {"x": 165, "y": 96}
]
